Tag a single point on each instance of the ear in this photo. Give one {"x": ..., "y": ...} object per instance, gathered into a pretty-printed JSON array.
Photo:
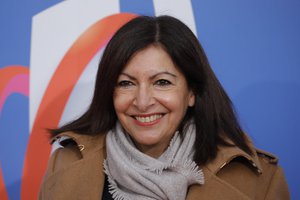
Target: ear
[{"x": 191, "y": 100}]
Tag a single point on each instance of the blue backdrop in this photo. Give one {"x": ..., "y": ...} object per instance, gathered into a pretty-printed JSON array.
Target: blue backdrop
[{"x": 253, "y": 47}]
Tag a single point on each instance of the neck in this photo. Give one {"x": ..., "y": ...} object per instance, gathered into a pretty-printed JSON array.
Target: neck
[{"x": 152, "y": 151}]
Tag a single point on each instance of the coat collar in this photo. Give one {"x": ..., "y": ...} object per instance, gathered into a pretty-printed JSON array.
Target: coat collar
[
  {"x": 226, "y": 154},
  {"x": 215, "y": 188},
  {"x": 86, "y": 143}
]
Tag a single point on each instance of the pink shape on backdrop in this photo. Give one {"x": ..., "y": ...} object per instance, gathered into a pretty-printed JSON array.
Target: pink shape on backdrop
[{"x": 18, "y": 84}]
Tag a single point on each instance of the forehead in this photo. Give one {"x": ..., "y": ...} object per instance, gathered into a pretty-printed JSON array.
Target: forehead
[{"x": 152, "y": 59}]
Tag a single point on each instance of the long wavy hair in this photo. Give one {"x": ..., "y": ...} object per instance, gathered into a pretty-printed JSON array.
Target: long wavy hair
[{"x": 213, "y": 112}]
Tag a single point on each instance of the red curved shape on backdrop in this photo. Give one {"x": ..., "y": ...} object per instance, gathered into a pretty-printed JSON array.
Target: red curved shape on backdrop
[
  {"x": 57, "y": 94},
  {"x": 3, "y": 193},
  {"x": 13, "y": 79}
]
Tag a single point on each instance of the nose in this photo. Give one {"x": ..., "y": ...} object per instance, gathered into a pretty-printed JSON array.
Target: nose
[{"x": 144, "y": 98}]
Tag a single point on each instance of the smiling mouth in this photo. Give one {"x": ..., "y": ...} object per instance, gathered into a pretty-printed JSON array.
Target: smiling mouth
[{"x": 148, "y": 119}]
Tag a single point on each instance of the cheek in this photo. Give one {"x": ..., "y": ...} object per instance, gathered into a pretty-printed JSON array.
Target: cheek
[
  {"x": 173, "y": 101},
  {"x": 121, "y": 102}
]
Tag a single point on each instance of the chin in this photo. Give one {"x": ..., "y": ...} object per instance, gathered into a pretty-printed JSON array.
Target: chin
[{"x": 147, "y": 142}]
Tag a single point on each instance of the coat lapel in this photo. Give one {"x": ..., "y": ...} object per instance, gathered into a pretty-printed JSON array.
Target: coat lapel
[{"x": 214, "y": 189}]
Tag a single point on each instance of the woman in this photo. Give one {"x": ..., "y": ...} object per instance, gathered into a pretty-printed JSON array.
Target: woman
[{"x": 160, "y": 126}]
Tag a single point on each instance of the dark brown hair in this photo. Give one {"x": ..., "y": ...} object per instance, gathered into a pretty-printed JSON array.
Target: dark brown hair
[{"x": 213, "y": 112}]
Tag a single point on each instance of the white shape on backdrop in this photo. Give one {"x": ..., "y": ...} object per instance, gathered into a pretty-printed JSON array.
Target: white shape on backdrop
[
  {"x": 55, "y": 30},
  {"x": 82, "y": 93},
  {"x": 53, "y": 33},
  {"x": 181, "y": 9}
]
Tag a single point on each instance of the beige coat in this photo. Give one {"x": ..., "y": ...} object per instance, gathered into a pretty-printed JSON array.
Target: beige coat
[{"x": 76, "y": 172}]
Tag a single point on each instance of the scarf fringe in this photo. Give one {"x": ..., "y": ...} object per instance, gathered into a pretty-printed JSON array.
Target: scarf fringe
[
  {"x": 158, "y": 169},
  {"x": 192, "y": 171},
  {"x": 113, "y": 188},
  {"x": 188, "y": 168}
]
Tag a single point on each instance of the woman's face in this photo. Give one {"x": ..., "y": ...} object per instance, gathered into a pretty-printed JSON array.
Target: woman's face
[{"x": 151, "y": 99}]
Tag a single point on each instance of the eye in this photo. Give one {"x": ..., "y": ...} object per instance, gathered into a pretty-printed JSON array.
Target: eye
[
  {"x": 163, "y": 82},
  {"x": 124, "y": 84}
]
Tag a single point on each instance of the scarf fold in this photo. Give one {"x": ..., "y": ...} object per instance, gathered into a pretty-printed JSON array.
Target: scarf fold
[{"x": 133, "y": 175}]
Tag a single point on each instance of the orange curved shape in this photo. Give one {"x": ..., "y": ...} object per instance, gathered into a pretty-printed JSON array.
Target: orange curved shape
[
  {"x": 57, "y": 94},
  {"x": 3, "y": 193}
]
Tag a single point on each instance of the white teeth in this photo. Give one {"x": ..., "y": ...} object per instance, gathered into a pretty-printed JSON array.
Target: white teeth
[{"x": 149, "y": 118}]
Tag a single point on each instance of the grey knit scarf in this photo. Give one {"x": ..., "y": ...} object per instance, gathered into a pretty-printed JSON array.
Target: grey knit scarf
[{"x": 133, "y": 175}]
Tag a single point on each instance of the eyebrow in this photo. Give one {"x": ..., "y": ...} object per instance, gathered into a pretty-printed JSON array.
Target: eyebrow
[{"x": 151, "y": 77}]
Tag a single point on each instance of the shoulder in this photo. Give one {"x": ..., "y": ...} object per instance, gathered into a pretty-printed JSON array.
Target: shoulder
[
  {"x": 232, "y": 160},
  {"x": 256, "y": 175},
  {"x": 76, "y": 160},
  {"x": 69, "y": 147},
  {"x": 266, "y": 156}
]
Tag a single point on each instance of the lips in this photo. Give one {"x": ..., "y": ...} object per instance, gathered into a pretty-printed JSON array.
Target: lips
[{"x": 148, "y": 118}]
